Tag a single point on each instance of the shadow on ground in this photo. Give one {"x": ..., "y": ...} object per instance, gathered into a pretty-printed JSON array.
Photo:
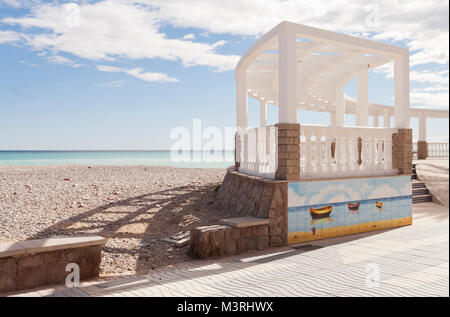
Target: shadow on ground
[{"x": 136, "y": 226}]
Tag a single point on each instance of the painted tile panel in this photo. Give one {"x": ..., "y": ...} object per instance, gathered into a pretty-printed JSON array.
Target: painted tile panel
[{"x": 319, "y": 209}]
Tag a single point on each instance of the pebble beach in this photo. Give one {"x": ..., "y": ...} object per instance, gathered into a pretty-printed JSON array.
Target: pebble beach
[{"x": 135, "y": 207}]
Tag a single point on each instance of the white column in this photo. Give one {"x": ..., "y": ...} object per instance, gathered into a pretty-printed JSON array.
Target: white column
[
  {"x": 340, "y": 107},
  {"x": 333, "y": 118},
  {"x": 362, "y": 107},
  {"x": 422, "y": 127},
  {"x": 375, "y": 121},
  {"x": 287, "y": 87},
  {"x": 386, "y": 119},
  {"x": 401, "y": 82},
  {"x": 241, "y": 102},
  {"x": 262, "y": 113}
]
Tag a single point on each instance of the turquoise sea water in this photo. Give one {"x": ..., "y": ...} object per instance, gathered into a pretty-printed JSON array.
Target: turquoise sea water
[{"x": 194, "y": 159}]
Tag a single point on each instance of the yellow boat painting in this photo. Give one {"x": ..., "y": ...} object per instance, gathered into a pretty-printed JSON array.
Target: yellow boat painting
[{"x": 322, "y": 212}]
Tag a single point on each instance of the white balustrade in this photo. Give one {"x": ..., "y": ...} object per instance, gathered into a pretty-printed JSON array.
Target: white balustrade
[
  {"x": 438, "y": 149},
  {"x": 318, "y": 161},
  {"x": 257, "y": 151}
]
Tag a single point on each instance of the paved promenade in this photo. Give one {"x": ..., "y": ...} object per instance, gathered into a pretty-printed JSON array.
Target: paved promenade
[{"x": 407, "y": 261}]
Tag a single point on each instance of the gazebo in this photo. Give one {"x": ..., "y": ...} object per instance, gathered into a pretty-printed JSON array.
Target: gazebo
[
  {"x": 294, "y": 182},
  {"x": 299, "y": 67}
]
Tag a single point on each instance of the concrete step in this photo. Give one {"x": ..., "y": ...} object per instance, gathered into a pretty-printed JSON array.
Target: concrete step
[
  {"x": 419, "y": 191},
  {"x": 418, "y": 184},
  {"x": 421, "y": 199}
]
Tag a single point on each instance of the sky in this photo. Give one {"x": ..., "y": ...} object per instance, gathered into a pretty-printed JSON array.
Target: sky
[{"x": 121, "y": 74}]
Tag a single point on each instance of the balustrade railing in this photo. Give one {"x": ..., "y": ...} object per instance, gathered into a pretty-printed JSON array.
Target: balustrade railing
[
  {"x": 437, "y": 149},
  {"x": 256, "y": 151},
  {"x": 327, "y": 151}
]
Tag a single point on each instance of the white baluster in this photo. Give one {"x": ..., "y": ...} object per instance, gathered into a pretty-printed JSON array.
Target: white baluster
[
  {"x": 372, "y": 152},
  {"x": 364, "y": 164},
  {"x": 308, "y": 155},
  {"x": 319, "y": 152},
  {"x": 388, "y": 153},
  {"x": 380, "y": 163},
  {"x": 327, "y": 152},
  {"x": 354, "y": 152}
]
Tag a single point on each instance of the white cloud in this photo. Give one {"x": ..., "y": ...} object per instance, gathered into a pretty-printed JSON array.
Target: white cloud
[
  {"x": 340, "y": 191},
  {"x": 189, "y": 36},
  {"x": 130, "y": 29},
  {"x": 428, "y": 76},
  {"x": 18, "y": 3},
  {"x": 9, "y": 37},
  {"x": 429, "y": 100},
  {"x": 109, "y": 30},
  {"x": 61, "y": 60},
  {"x": 383, "y": 191},
  {"x": 295, "y": 200},
  {"x": 138, "y": 73},
  {"x": 28, "y": 63},
  {"x": 115, "y": 83}
]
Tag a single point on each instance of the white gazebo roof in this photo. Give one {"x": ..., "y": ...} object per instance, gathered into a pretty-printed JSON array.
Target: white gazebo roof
[{"x": 325, "y": 60}]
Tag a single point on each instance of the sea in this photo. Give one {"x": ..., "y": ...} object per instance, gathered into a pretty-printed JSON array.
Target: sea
[{"x": 192, "y": 159}]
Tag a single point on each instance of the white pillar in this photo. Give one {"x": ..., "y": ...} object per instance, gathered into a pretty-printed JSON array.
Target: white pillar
[
  {"x": 333, "y": 118},
  {"x": 386, "y": 119},
  {"x": 401, "y": 82},
  {"x": 262, "y": 113},
  {"x": 422, "y": 127},
  {"x": 375, "y": 121},
  {"x": 362, "y": 107},
  {"x": 241, "y": 99},
  {"x": 287, "y": 84},
  {"x": 340, "y": 107}
]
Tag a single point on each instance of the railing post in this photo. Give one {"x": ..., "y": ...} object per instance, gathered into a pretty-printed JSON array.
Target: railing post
[
  {"x": 288, "y": 151},
  {"x": 422, "y": 150},
  {"x": 402, "y": 151}
]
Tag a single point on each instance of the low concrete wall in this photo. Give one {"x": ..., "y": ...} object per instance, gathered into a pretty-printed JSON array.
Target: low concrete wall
[{"x": 32, "y": 263}]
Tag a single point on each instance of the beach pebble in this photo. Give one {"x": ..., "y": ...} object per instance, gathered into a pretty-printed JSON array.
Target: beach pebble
[{"x": 35, "y": 203}]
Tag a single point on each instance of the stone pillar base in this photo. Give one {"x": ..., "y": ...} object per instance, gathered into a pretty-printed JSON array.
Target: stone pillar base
[
  {"x": 288, "y": 151},
  {"x": 402, "y": 151},
  {"x": 422, "y": 150}
]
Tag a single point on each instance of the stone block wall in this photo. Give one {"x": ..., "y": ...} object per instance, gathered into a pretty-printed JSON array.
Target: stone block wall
[
  {"x": 217, "y": 240},
  {"x": 402, "y": 151},
  {"x": 244, "y": 195},
  {"x": 27, "y": 271}
]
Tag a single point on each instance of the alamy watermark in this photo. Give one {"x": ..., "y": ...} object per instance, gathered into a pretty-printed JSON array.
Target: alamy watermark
[
  {"x": 73, "y": 278},
  {"x": 373, "y": 275}
]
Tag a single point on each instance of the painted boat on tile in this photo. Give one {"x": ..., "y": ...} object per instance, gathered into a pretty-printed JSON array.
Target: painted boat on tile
[
  {"x": 354, "y": 206},
  {"x": 379, "y": 204},
  {"x": 322, "y": 212}
]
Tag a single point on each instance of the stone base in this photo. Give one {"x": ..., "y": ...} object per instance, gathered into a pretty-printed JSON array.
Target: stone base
[
  {"x": 422, "y": 150},
  {"x": 244, "y": 195},
  {"x": 217, "y": 240},
  {"x": 32, "y": 263},
  {"x": 288, "y": 151},
  {"x": 27, "y": 271},
  {"x": 402, "y": 151}
]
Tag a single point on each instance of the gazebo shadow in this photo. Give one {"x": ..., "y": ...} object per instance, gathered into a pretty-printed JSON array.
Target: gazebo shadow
[{"x": 136, "y": 226}]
